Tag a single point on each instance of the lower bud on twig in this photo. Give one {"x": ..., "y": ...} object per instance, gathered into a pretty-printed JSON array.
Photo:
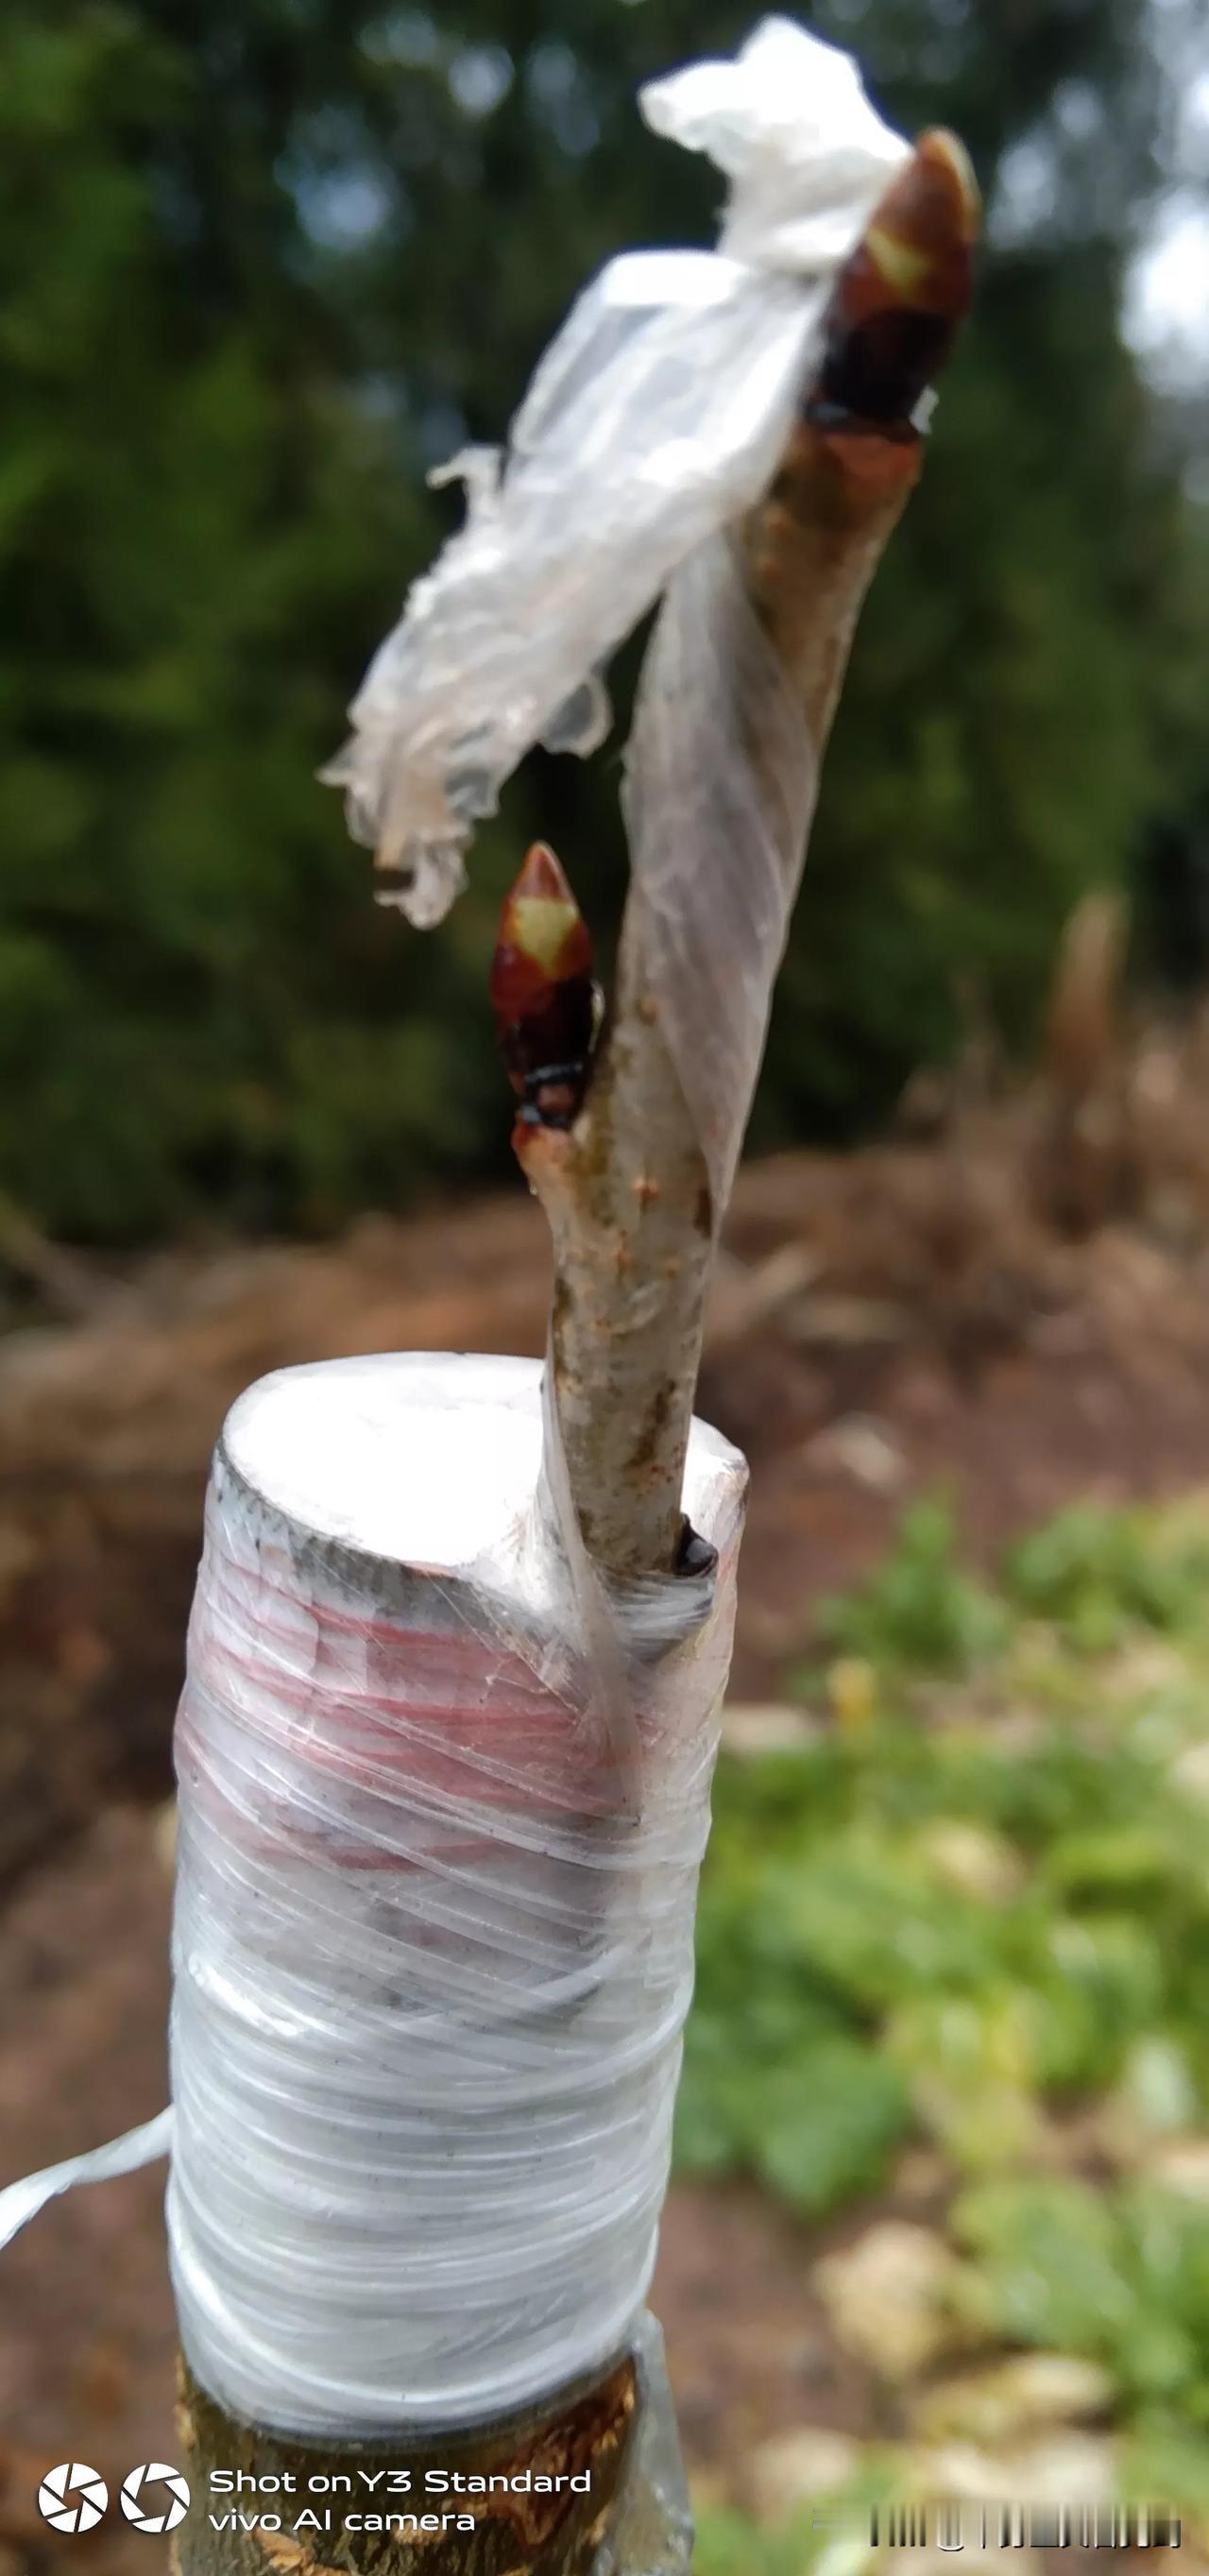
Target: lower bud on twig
[{"x": 545, "y": 1001}]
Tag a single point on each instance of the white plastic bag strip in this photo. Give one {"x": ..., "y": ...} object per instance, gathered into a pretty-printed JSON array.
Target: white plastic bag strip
[
  {"x": 656, "y": 420},
  {"x": 789, "y": 123},
  {"x": 432, "y": 1962}
]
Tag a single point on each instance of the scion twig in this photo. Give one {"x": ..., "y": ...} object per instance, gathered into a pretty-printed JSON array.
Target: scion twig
[{"x": 625, "y": 1188}]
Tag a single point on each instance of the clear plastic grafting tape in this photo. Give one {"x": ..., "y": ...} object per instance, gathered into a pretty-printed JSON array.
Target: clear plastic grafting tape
[
  {"x": 655, "y": 420},
  {"x": 432, "y": 1956}
]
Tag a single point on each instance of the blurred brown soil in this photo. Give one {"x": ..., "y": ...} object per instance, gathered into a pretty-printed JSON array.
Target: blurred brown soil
[{"x": 1010, "y": 1298}]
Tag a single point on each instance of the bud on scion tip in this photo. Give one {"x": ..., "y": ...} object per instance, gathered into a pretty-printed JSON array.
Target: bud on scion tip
[
  {"x": 542, "y": 992},
  {"x": 898, "y": 301}
]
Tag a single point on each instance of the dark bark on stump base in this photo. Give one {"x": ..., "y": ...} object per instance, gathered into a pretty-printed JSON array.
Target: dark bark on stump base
[{"x": 590, "y": 2427}]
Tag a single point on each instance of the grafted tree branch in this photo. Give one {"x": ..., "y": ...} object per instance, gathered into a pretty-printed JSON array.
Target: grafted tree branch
[
  {"x": 626, "y": 1193},
  {"x": 625, "y": 1190}
]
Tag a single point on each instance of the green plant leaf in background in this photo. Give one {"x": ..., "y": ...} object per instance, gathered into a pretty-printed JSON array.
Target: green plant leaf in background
[{"x": 980, "y": 1917}]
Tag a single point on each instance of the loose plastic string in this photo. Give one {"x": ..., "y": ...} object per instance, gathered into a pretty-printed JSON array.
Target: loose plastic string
[{"x": 21, "y": 2201}]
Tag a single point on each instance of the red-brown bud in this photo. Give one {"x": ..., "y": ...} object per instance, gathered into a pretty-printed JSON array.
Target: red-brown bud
[
  {"x": 898, "y": 301},
  {"x": 542, "y": 992}
]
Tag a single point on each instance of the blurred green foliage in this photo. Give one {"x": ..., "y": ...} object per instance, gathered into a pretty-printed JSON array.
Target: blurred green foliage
[
  {"x": 262, "y": 262},
  {"x": 728, "y": 2546},
  {"x": 973, "y": 1908},
  {"x": 920, "y": 1607}
]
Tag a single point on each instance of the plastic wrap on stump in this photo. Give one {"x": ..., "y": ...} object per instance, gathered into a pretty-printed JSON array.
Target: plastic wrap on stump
[{"x": 431, "y": 1964}]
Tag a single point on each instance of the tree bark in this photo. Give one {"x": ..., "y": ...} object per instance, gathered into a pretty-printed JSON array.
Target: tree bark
[{"x": 590, "y": 2428}]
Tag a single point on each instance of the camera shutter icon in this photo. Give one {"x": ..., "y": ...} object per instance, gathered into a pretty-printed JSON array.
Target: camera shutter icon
[
  {"x": 153, "y": 2513},
  {"x": 72, "y": 2498}
]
